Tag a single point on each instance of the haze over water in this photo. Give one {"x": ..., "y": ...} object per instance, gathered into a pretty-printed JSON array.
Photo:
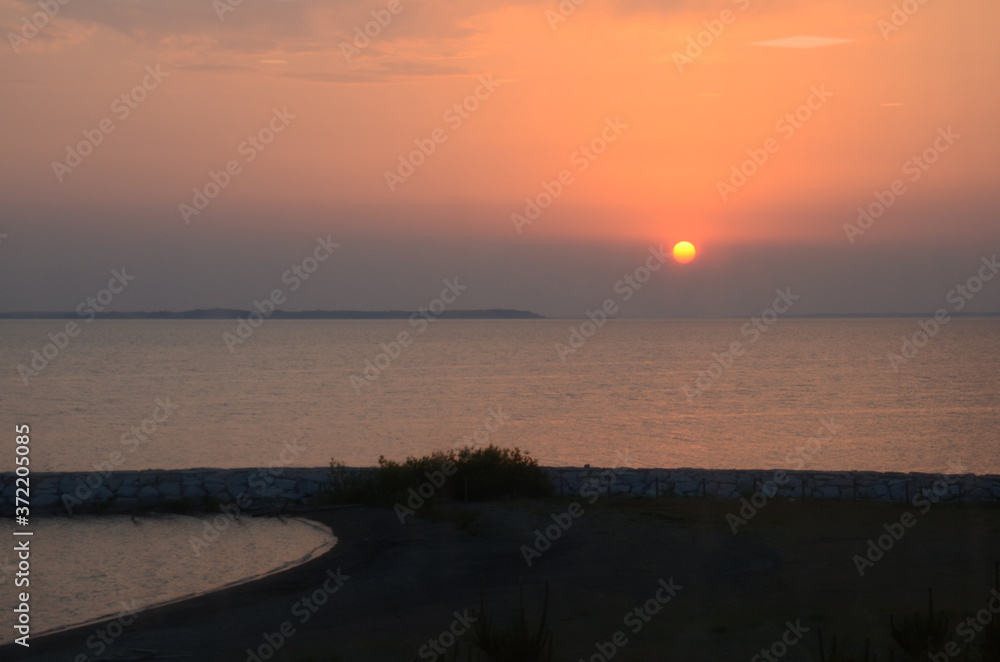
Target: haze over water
[{"x": 285, "y": 395}]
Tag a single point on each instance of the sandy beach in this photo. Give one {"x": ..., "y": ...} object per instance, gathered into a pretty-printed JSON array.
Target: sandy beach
[{"x": 389, "y": 591}]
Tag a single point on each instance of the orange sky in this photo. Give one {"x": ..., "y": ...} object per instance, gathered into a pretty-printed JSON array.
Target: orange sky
[{"x": 658, "y": 181}]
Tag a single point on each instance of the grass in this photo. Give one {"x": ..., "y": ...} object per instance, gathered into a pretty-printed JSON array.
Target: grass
[
  {"x": 989, "y": 644},
  {"x": 919, "y": 635},
  {"x": 517, "y": 642},
  {"x": 833, "y": 655}
]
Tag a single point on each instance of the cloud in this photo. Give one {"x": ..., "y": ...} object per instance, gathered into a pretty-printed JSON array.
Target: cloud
[
  {"x": 422, "y": 41},
  {"x": 216, "y": 68},
  {"x": 22, "y": 30},
  {"x": 275, "y": 24},
  {"x": 386, "y": 72},
  {"x": 803, "y": 42}
]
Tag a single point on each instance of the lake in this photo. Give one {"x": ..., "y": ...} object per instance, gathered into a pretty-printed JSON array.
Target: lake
[{"x": 137, "y": 394}]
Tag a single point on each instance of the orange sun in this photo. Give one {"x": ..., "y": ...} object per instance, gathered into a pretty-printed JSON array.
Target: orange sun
[{"x": 684, "y": 251}]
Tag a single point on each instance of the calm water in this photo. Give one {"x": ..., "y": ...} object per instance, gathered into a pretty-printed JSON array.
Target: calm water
[
  {"x": 89, "y": 567},
  {"x": 620, "y": 395},
  {"x": 285, "y": 397}
]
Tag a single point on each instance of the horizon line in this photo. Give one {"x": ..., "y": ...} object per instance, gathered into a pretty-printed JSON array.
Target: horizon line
[{"x": 465, "y": 313}]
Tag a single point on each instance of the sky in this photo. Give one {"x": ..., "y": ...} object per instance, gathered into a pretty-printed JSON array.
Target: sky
[{"x": 534, "y": 151}]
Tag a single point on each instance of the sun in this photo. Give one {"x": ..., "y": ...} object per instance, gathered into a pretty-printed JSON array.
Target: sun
[{"x": 684, "y": 251}]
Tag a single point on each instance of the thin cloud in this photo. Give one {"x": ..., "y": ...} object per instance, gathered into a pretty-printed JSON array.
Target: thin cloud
[
  {"x": 803, "y": 42},
  {"x": 215, "y": 68},
  {"x": 393, "y": 72}
]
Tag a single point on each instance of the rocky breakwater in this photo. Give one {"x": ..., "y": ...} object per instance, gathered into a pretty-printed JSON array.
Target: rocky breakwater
[
  {"x": 806, "y": 485},
  {"x": 270, "y": 489},
  {"x": 179, "y": 490}
]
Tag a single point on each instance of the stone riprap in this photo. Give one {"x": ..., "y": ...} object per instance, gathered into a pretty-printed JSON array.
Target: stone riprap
[
  {"x": 805, "y": 485},
  {"x": 128, "y": 491},
  {"x": 269, "y": 489}
]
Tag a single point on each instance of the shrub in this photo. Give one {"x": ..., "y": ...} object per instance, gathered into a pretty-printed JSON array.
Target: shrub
[
  {"x": 348, "y": 485},
  {"x": 493, "y": 472},
  {"x": 989, "y": 643},
  {"x": 919, "y": 635},
  {"x": 472, "y": 474}
]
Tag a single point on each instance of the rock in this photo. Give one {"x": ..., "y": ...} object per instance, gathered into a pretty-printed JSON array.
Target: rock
[
  {"x": 220, "y": 495},
  {"x": 297, "y": 485},
  {"x": 686, "y": 486},
  {"x": 286, "y": 484},
  {"x": 866, "y": 493},
  {"x": 192, "y": 478},
  {"x": 300, "y": 475},
  {"x": 745, "y": 484},
  {"x": 728, "y": 491},
  {"x": 44, "y": 500},
  {"x": 236, "y": 484},
  {"x": 982, "y": 494},
  {"x": 47, "y": 484},
  {"x": 148, "y": 493},
  {"x": 829, "y": 492},
  {"x": 67, "y": 484},
  {"x": 170, "y": 490},
  {"x": 270, "y": 492},
  {"x": 310, "y": 487}
]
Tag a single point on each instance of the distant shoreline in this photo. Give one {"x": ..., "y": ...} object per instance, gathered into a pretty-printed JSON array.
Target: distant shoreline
[
  {"x": 231, "y": 313},
  {"x": 487, "y": 313}
]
